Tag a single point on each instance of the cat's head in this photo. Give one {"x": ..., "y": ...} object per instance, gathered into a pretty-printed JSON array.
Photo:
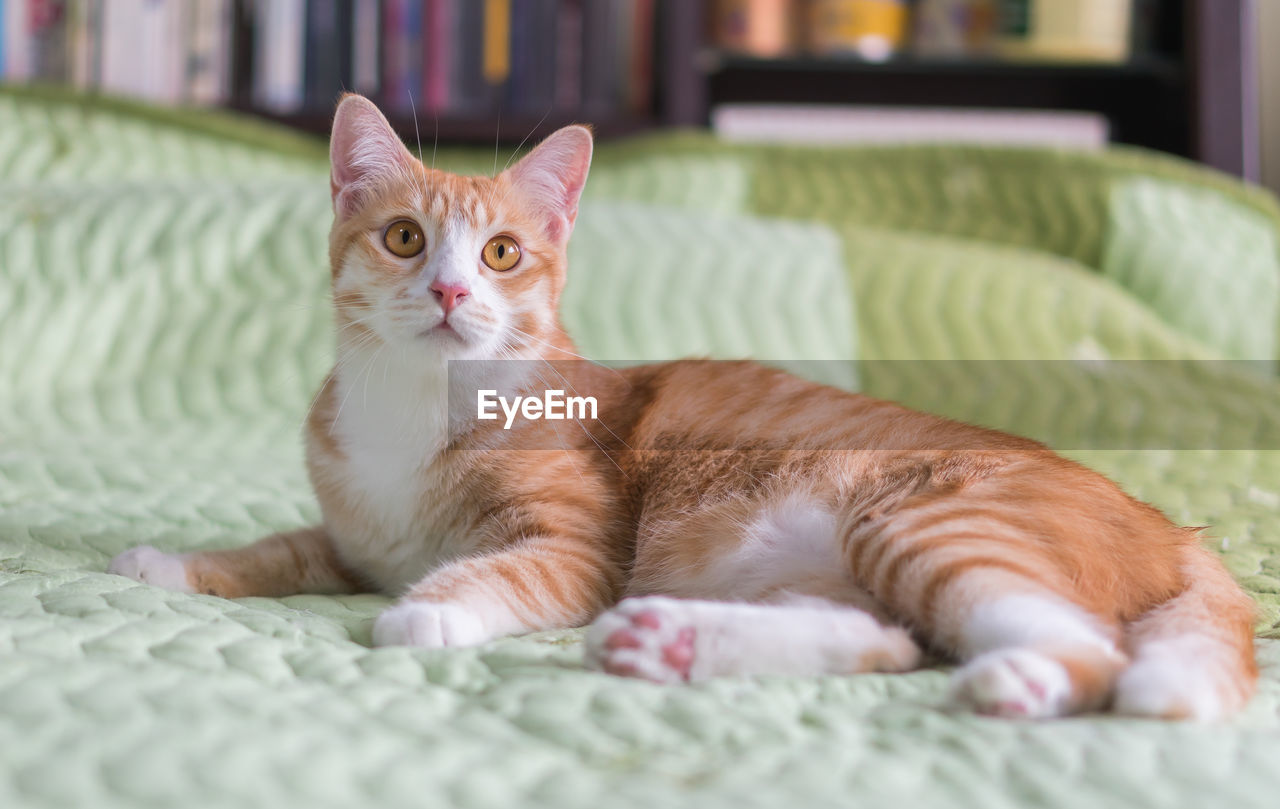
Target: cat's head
[{"x": 448, "y": 266}]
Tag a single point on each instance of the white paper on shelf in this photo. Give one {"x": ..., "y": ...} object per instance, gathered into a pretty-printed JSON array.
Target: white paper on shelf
[{"x": 803, "y": 123}]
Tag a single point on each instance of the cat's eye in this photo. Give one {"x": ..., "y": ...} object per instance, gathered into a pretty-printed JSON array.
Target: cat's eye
[
  {"x": 404, "y": 238},
  {"x": 501, "y": 253}
]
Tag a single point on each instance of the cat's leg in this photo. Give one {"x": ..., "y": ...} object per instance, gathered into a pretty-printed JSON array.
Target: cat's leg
[
  {"x": 302, "y": 561},
  {"x": 977, "y": 583},
  {"x": 1025, "y": 651},
  {"x": 1031, "y": 654},
  {"x": 537, "y": 584},
  {"x": 1193, "y": 655},
  {"x": 669, "y": 640}
]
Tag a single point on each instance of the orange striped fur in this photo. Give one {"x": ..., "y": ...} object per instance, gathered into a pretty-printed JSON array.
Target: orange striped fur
[{"x": 745, "y": 548}]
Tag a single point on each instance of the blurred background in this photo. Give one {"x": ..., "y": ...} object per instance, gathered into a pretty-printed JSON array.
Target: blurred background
[{"x": 1196, "y": 78}]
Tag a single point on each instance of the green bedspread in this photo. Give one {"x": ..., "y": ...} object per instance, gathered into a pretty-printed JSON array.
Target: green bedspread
[{"x": 163, "y": 322}]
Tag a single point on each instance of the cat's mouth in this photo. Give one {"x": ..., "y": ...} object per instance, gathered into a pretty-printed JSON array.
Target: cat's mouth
[{"x": 442, "y": 329}]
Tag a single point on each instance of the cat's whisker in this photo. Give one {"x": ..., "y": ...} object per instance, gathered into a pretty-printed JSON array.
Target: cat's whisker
[
  {"x": 413, "y": 110},
  {"x": 497, "y": 136},
  {"x": 554, "y": 347},
  {"x": 357, "y": 322},
  {"x": 566, "y": 381},
  {"x": 570, "y": 385},
  {"x": 546, "y": 384},
  {"x": 340, "y": 363},
  {"x": 536, "y": 126},
  {"x": 575, "y": 390},
  {"x": 435, "y": 142},
  {"x": 365, "y": 394},
  {"x": 426, "y": 192},
  {"x": 338, "y": 416}
]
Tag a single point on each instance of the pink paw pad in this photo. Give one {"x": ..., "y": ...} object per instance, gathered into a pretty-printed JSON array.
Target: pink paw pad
[
  {"x": 649, "y": 619},
  {"x": 679, "y": 653},
  {"x": 648, "y": 647}
]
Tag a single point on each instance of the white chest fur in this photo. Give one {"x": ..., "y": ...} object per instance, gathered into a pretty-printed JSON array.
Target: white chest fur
[{"x": 396, "y": 517}]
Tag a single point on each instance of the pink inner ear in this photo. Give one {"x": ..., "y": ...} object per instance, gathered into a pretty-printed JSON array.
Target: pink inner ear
[
  {"x": 362, "y": 148},
  {"x": 553, "y": 176}
]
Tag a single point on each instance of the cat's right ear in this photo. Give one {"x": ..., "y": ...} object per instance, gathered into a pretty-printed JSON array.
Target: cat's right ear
[{"x": 362, "y": 149}]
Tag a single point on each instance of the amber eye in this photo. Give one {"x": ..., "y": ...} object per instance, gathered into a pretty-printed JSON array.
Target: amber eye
[
  {"x": 404, "y": 238},
  {"x": 501, "y": 253}
]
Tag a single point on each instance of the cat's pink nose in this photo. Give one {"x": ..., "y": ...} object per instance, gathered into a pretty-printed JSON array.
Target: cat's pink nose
[{"x": 449, "y": 295}]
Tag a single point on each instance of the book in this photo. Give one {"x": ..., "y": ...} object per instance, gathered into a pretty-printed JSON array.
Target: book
[
  {"x": 208, "y": 57},
  {"x": 599, "y": 59},
  {"x": 496, "y": 41},
  {"x": 366, "y": 51},
  {"x": 47, "y": 32},
  {"x": 872, "y": 29},
  {"x": 278, "y": 55},
  {"x": 437, "y": 54},
  {"x": 402, "y": 54},
  {"x": 955, "y": 28},
  {"x": 567, "y": 81},
  {"x": 1071, "y": 30},
  {"x": 4, "y": 39},
  {"x": 84, "y": 42},
  {"x": 763, "y": 28},
  {"x": 471, "y": 93},
  {"x": 326, "y": 52},
  {"x": 143, "y": 48},
  {"x": 541, "y": 99},
  {"x": 531, "y": 89},
  {"x": 639, "y": 84}
]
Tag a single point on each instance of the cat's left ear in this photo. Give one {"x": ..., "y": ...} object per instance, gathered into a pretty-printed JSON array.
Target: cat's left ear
[{"x": 553, "y": 175}]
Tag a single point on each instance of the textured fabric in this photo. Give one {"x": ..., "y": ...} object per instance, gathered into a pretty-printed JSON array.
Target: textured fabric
[
  {"x": 657, "y": 284},
  {"x": 1161, "y": 238},
  {"x": 163, "y": 323}
]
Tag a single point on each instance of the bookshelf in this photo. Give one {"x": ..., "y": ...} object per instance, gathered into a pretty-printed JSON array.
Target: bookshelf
[
  {"x": 1190, "y": 90},
  {"x": 1193, "y": 93},
  {"x": 417, "y": 120}
]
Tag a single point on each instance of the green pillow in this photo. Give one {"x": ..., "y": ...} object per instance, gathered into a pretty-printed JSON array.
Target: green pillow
[
  {"x": 1204, "y": 263},
  {"x": 650, "y": 283}
]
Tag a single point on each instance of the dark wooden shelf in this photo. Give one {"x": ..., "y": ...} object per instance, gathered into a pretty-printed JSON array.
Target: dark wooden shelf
[
  {"x": 1198, "y": 98},
  {"x": 1145, "y": 100},
  {"x": 1147, "y": 67}
]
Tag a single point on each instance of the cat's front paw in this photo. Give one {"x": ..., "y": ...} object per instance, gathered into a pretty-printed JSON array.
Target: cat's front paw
[
  {"x": 648, "y": 638},
  {"x": 429, "y": 625},
  {"x": 150, "y": 566}
]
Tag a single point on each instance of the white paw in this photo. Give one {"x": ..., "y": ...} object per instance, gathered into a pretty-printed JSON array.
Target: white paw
[
  {"x": 150, "y": 566},
  {"x": 1162, "y": 689},
  {"x": 649, "y": 638},
  {"x": 1013, "y": 683},
  {"x": 431, "y": 626}
]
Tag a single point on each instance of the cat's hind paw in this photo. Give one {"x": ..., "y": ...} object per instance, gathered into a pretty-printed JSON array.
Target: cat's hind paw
[
  {"x": 150, "y": 566},
  {"x": 1014, "y": 684}
]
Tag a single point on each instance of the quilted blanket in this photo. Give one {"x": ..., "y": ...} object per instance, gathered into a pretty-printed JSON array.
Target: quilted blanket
[{"x": 163, "y": 323}]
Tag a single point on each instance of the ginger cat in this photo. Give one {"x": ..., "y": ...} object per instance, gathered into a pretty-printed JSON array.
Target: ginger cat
[{"x": 743, "y": 549}]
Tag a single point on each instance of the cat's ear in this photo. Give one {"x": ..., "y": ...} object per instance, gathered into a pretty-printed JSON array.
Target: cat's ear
[
  {"x": 362, "y": 149},
  {"x": 553, "y": 175}
]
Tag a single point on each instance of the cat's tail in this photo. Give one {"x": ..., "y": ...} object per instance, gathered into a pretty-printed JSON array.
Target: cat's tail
[{"x": 1193, "y": 655}]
